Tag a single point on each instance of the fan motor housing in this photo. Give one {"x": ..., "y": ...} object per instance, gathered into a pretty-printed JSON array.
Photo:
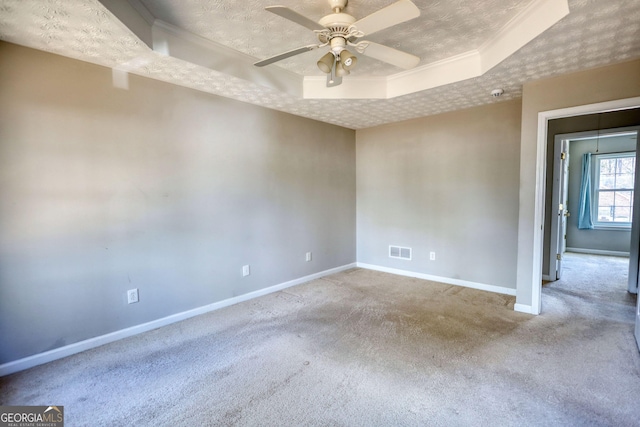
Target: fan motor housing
[
  {"x": 337, "y": 20},
  {"x": 337, "y": 25}
]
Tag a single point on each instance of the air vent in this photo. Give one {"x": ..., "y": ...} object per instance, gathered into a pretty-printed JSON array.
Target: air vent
[{"x": 399, "y": 252}]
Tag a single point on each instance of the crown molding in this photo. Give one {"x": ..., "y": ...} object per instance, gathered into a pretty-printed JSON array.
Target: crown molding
[
  {"x": 535, "y": 19},
  {"x": 450, "y": 70}
]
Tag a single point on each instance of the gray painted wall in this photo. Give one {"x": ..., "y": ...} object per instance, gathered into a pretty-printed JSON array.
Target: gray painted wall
[
  {"x": 448, "y": 184},
  {"x": 590, "y": 122},
  {"x": 599, "y": 239},
  {"x": 157, "y": 187}
]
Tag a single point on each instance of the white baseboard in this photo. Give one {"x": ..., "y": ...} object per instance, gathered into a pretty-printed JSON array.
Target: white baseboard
[
  {"x": 447, "y": 280},
  {"x": 522, "y": 308},
  {"x": 598, "y": 252},
  {"x": 68, "y": 350},
  {"x": 547, "y": 278}
]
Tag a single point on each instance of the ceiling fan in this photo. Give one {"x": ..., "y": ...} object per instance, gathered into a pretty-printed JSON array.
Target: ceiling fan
[{"x": 340, "y": 30}]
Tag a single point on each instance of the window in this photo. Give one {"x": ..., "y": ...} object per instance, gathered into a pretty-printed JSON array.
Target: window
[{"x": 614, "y": 175}]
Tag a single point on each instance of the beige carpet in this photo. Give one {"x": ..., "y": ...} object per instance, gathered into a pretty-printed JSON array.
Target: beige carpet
[{"x": 363, "y": 348}]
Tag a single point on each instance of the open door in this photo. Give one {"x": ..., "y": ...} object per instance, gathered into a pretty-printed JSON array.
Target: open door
[
  {"x": 559, "y": 203},
  {"x": 637, "y": 331},
  {"x": 634, "y": 249}
]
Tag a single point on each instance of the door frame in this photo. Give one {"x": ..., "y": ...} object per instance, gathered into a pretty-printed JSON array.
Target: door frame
[
  {"x": 541, "y": 170},
  {"x": 634, "y": 248}
]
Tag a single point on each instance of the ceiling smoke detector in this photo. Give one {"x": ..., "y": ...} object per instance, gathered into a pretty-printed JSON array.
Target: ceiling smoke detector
[{"x": 496, "y": 93}]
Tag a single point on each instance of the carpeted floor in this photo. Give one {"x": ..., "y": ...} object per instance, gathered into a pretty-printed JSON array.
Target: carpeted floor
[{"x": 363, "y": 348}]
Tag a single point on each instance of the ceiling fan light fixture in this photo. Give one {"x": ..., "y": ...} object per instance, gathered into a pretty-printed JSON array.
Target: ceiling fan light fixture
[
  {"x": 348, "y": 60},
  {"x": 341, "y": 71},
  {"x": 326, "y": 62}
]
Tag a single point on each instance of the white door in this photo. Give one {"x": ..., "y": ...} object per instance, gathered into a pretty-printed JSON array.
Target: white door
[
  {"x": 559, "y": 206},
  {"x": 634, "y": 250},
  {"x": 564, "y": 194},
  {"x": 638, "y": 324}
]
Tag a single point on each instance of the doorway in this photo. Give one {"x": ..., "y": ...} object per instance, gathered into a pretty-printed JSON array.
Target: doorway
[
  {"x": 532, "y": 222},
  {"x": 592, "y": 196},
  {"x": 535, "y": 274}
]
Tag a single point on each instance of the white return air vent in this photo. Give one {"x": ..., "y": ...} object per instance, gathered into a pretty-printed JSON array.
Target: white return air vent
[{"x": 399, "y": 252}]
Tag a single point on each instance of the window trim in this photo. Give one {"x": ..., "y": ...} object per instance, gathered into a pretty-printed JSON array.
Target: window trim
[{"x": 602, "y": 225}]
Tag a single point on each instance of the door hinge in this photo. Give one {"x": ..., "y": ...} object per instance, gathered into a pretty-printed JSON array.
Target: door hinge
[
  {"x": 559, "y": 257},
  {"x": 563, "y": 156}
]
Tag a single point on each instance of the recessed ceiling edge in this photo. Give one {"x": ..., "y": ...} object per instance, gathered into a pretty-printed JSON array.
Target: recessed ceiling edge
[{"x": 532, "y": 21}]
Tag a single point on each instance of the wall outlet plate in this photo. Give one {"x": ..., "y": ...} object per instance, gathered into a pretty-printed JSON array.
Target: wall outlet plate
[
  {"x": 432, "y": 256},
  {"x": 132, "y": 296},
  {"x": 245, "y": 270},
  {"x": 308, "y": 257}
]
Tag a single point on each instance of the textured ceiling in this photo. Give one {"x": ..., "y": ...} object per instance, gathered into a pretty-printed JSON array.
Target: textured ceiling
[
  {"x": 595, "y": 33},
  {"x": 444, "y": 28}
]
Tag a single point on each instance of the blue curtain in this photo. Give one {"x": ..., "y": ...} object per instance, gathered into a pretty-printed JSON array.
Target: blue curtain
[{"x": 584, "y": 213}]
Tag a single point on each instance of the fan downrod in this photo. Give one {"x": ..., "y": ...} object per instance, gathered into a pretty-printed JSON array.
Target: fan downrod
[{"x": 337, "y": 5}]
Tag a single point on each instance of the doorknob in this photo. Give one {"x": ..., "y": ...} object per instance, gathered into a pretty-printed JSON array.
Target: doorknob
[{"x": 567, "y": 214}]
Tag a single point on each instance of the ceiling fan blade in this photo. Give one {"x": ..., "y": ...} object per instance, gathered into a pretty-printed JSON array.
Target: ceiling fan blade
[
  {"x": 389, "y": 16},
  {"x": 390, "y": 55},
  {"x": 294, "y": 16},
  {"x": 286, "y": 55}
]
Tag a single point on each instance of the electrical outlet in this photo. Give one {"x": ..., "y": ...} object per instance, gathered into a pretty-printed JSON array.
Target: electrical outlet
[
  {"x": 245, "y": 270},
  {"x": 132, "y": 296},
  {"x": 308, "y": 258},
  {"x": 432, "y": 256}
]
